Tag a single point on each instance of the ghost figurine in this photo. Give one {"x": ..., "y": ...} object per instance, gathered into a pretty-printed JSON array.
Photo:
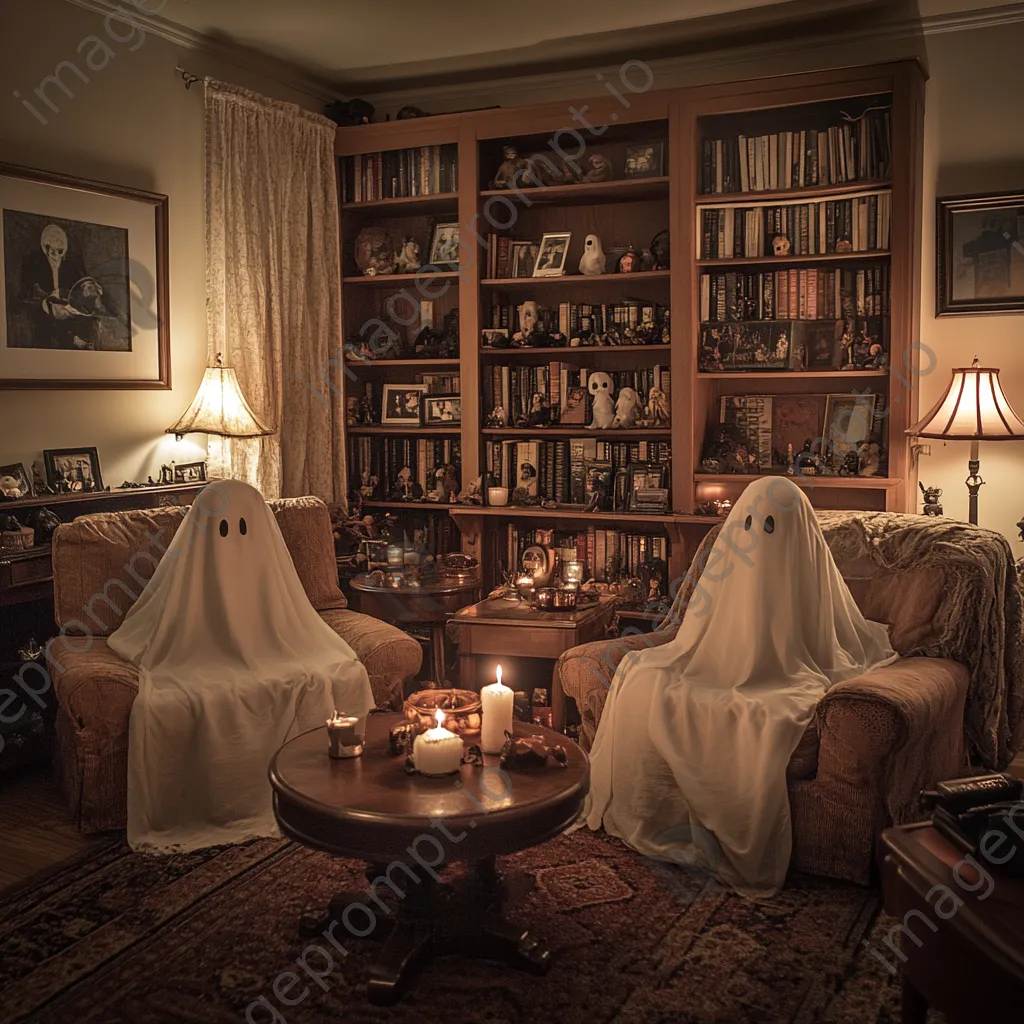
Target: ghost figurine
[
  {"x": 627, "y": 408},
  {"x": 601, "y": 388},
  {"x": 233, "y": 662},
  {"x": 592, "y": 262}
]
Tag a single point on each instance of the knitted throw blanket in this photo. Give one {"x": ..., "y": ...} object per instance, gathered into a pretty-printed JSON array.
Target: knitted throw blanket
[{"x": 979, "y": 620}]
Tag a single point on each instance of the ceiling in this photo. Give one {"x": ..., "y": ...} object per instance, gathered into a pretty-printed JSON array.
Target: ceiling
[{"x": 358, "y": 43}]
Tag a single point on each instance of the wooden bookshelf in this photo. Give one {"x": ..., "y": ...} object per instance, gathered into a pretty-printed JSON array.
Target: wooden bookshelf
[{"x": 629, "y": 211}]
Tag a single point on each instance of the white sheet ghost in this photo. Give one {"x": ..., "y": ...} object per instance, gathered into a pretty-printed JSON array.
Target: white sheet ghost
[
  {"x": 233, "y": 661},
  {"x": 689, "y": 762},
  {"x": 593, "y": 260}
]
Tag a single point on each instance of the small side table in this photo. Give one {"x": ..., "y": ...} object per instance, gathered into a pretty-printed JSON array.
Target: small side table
[
  {"x": 431, "y": 602},
  {"x": 967, "y": 963},
  {"x": 512, "y": 629}
]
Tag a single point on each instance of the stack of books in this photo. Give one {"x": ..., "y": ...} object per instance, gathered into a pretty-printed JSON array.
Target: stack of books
[
  {"x": 575, "y": 318},
  {"x": 607, "y": 555},
  {"x": 377, "y": 461},
  {"x": 400, "y": 174}
]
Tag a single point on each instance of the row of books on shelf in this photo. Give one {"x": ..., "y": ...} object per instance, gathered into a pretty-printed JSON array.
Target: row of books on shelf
[
  {"x": 573, "y": 319},
  {"x": 403, "y": 468},
  {"x": 606, "y": 554},
  {"x": 858, "y": 224},
  {"x": 400, "y": 174},
  {"x": 795, "y": 294},
  {"x": 577, "y": 471},
  {"x": 858, "y": 150},
  {"x": 561, "y": 393}
]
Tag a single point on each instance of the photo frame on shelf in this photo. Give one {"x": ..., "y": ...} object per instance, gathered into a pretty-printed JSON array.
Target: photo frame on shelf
[
  {"x": 15, "y": 481},
  {"x": 495, "y": 337},
  {"x": 644, "y": 160},
  {"x": 441, "y": 410},
  {"x": 400, "y": 404},
  {"x": 849, "y": 420},
  {"x": 85, "y": 283},
  {"x": 553, "y": 253},
  {"x": 647, "y": 490},
  {"x": 524, "y": 258},
  {"x": 72, "y": 469},
  {"x": 980, "y": 254},
  {"x": 190, "y": 473},
  {"x": 820, "y": 342},
  {"x": 444, "y": 245}
]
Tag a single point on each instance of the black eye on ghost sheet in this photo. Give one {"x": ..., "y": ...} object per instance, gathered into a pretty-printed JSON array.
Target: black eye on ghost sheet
[
  {"x": 224, "y": 527},
  {"x": 769, "y": 524},
  {"x": 749, "y": 522},
  {"x": 242, "y": 528}
]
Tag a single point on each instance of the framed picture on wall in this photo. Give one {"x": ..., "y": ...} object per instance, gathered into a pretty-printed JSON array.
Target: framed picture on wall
[
  {"x": 83, "y": 283},
  {"x": 980, "y": 254}
]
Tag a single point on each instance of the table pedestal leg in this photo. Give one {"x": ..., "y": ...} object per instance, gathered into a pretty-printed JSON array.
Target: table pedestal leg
[{"x": 437, "y": 650}]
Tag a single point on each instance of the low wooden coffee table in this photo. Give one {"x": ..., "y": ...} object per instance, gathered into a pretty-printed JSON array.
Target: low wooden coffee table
[
  {"x": 967, "y": 959},
  {"x": 408, "y": 828}
]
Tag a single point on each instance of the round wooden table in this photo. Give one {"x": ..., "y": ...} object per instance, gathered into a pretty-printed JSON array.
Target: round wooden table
[
  {"x": 408, "y": 828},
  {"x": 430, "y": 602}
]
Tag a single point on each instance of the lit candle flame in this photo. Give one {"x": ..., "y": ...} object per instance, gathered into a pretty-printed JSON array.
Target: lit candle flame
[
  {"x": 499, "y": 675},
  {"x": 439, "y": 716}
]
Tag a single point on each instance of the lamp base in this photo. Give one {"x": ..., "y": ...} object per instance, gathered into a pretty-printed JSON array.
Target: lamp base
[{"x": 974, "y": 485}]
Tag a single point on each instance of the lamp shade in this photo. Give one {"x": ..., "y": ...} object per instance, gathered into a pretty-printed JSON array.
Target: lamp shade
[
  {"x": 220, "y": 408},
  {"x": 973, "y": 408}
]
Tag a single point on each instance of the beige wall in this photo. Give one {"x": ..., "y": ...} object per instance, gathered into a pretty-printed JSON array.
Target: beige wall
[{"x": 135, "y": 124}]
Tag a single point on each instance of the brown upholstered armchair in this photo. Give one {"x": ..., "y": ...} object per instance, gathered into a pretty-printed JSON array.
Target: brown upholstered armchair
[
  {"x": 879, "y": 739},
  {"x": 101, "y": 564}
]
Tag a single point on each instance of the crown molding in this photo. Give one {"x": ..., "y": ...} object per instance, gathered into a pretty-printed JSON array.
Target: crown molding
[{"x": 517, "y": 83}]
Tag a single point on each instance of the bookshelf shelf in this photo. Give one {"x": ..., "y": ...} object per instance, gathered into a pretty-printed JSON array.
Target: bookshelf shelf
[
  {"x": 786, "y": 195},
  {"x": 579, "y": 515},
  {"x": 785, "y": 261},
  {"x": 738, "y": 375},
  {"x": 573, "y": 279},
  {"x": 846, "y": 483},
  {"x": 409, "y": 506},
  {"x": 635, "y": 434},
  {"x": 384, "y": 280},
  {"x": 410, "y": 431},
  {"x": 579, "y": 351},
  {"x": 617, "y": 191},
  {"x": 419, "y": 364},
  {"x": 406, "y": 206}
]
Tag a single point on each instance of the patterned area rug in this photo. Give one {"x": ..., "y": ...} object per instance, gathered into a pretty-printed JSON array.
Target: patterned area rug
[{"x": 124, "y": 938}]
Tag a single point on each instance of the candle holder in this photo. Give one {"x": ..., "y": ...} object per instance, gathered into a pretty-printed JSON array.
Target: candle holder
[
  {"x": 572, "y": 572},
  {"x": 462, "y": 710},
  {"x": 566, "y": 597},
  {"x": 345, "y": 734},
  {"x": 544, "y": 598}
]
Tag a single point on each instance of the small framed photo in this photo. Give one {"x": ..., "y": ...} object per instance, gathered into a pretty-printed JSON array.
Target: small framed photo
[
  {"x": 495, "y": 337},
  {"x": 400, "y": 404},
  {"x": 524, "y": 258},
  {"x": 441, "y": 410},
  {"x": 849, "y": 420},
  {"x": 72, "y": 469},
  {"x": 646, "y": 160},
  {"x": 14, "y": 482},
  {"x": 647, "y": 491},
  {"x": 980, "y": 254},
  {"x": 190, "y": 473},
  {"x": 554, "y": 250},
  {"x": 444, "y": 246}
]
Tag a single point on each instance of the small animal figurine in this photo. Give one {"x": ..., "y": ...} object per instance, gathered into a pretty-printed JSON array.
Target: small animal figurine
[
  {"x": 511, "y": 169},
  {"x": 657, "y": 412},
  {"x": 408, "y": 259},
  {"x": 600, "y": 168},
  {"x": 781, "y": 245},
  {"x": 933, "y": 508},
  {"x": 627, "y": 409},
  {"x": 593, "y": 260},
  {"x": 601, "y": 388},
  {"x": 869, "y": 454}
]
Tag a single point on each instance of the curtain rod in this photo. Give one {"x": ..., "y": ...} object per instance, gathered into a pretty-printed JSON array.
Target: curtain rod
[{"x": 187, "y": 77}]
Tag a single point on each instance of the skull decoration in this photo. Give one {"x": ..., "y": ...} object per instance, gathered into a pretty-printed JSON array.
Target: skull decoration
[
  {"x": 406, "y": 488},
  {"x": 601, "y": 388},
  {"x": 54, "y": 243},
  {"x": 781, "y": 245}
]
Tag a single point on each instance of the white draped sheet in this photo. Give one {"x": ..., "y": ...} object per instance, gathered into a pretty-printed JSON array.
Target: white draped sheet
[
  {"x": 233, "y": 662},
  {"x": 689, "y": 762}
]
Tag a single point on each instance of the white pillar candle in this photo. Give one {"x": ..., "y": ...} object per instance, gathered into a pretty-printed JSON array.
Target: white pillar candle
[
  {"x": 437, "y": 751},
  {"x": 496, "y": 704}
]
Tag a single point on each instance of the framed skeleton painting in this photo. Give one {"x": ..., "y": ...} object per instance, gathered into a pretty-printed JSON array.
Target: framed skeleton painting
[{"x": 83, "y": 283}]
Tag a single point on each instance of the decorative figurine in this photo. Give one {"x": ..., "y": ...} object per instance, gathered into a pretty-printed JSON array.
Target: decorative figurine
[
  {"x": 781, "y": 245},
  {"x": 869, "y": 454},
  {"x": 511, "y": 169},
  {"x": 629, "y": 261},
  {"x": 497, "y": 417},
  {"x": 593, "y": 261},
  {"x": 600, "y": 168},
  {"x": 473, "y": 492},
  {"x": 657, "y": 413},
  {"x": 375, "y": 251},
  {"x": 44, "y": 522},
  {"x": 408, "y": 258},
  {"x": 601, "y": 388},
  {"x": 933, "y": 508},
  {"x": 406, "y": 488},
  {"x": 627, "y": 409},
  {"x": 539, "y": 414},
  {"x": 660, "y": 248}
]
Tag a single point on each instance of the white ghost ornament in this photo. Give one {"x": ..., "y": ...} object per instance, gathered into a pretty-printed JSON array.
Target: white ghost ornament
[
  {"x": 592, "y": 262},
  {"x": 627, "y": 408},
  {"x": 601, "y": 388}
]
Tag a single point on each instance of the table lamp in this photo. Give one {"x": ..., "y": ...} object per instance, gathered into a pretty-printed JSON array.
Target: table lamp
[
  {"x": 220, "y": 410},
  {"x": 973, "y": 409}
]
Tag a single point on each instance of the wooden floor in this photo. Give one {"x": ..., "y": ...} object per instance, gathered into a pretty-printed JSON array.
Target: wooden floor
[{"x": 37, "y": 831}]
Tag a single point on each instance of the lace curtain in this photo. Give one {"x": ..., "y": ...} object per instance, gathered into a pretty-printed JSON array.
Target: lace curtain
[{"x": 273, "y": 286}]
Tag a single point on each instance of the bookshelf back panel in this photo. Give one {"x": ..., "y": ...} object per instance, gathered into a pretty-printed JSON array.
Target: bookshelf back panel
[{"x": 419, "y": 227}]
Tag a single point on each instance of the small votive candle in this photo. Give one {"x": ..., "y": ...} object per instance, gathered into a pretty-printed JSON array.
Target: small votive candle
[
  {"x": 497, "y": 495},
  {"x": 344, "y": 735},
  {"x": 437, "y": 751},
  {"x": 572, "y": 571},
  {"x": 497, "y": 702}
]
